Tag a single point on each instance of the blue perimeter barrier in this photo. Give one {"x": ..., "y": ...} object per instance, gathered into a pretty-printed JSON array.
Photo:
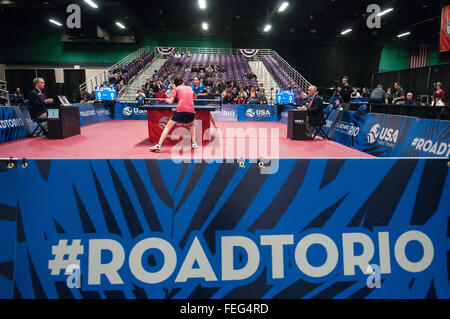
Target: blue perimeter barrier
[
  {"x": 386, "y": 135},
  {"x": 16, "y": 122},
  {"x": 12, "y": 124},
  {"x": 268, "y": 113},
  {"x": 309, "y": 230}
]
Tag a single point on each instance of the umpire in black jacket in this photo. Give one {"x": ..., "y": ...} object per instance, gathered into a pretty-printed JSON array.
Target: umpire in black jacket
[
  {"x": 315, "y": 110},
  {"x": 38, "y": 102}
]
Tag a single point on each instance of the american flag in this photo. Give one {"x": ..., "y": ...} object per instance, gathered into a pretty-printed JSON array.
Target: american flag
[{"x": 419, "y": 56}]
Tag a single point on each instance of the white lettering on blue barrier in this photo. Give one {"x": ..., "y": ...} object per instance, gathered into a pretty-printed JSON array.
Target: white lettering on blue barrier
[{"x": 197, "y": 262}]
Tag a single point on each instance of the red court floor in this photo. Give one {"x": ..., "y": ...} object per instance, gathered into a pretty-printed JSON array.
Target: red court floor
[{"x": 129, "y": 139}]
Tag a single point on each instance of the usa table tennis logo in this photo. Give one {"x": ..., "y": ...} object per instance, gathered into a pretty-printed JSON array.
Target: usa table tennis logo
[
  {"x": 383, "y": 134},
  {"x": 127, "y": 111},
  {"x": 250, "y": 113}
]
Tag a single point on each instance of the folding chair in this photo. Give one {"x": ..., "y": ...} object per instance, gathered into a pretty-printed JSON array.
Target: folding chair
[
  {"x": 318, "y": 128},
  {"x": 39, "y": 128}
]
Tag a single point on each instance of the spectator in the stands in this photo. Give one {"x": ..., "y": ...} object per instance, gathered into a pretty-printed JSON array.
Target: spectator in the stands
[
  {"x": 155, "y": 75},
  {"x": 378, "y": 95},
  {"x": 241, "y": 99},
  {"x": 252, "y": 76},
  {"x": 227, "y": 97},
  {"x": 365, "y": 93},
  {"x": 111, "y": 77},
  {"x": 293, "y": 86},
  {"x": 168, "y": 81},
  {"x": 235, "y": 93},
  {"x": 345, "y": 90},
  {"x": 389, "y": 95},
  {"x": 84, "y": 96},
  {"x": 140, "y": 98},
  {"x": 241, "y": 90},
  {"x": 216, "y": 91},
  {"x": 261, "y": 91},
  {"x": 437, "y": 101},
  {"x": 201, "y": 68},
  {"x": 160, "y": 95},
  {"x": 355, "y": 94},
  {"x": 303, "y": 100},
  {"x": 409, "y": 100},
  {"x": 120, "y": 86},
  {"x": 399, "y": 95},
  {"x": 170, "y": 90},
  {"x": 439, "y": 91},
  {"x": 18, "y": 97},
  {"x": 194, "y": 69},
  {"x": 262, "y": 98},
  {"x": 198, "y": 88},
  {"x": 189, "y": 54},
  {"x": 252, "y": 96}
]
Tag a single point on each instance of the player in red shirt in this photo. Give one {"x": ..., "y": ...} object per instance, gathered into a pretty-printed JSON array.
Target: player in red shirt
[{"x": 185, "y": 113}]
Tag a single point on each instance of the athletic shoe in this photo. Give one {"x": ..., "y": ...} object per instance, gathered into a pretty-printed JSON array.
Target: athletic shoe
[
  {"x": 156, "y": 148},
  {"x": 194, "y": 146}
]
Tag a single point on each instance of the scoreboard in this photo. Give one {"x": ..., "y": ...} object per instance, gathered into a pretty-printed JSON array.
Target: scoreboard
[{"x": 105, "y": 93}]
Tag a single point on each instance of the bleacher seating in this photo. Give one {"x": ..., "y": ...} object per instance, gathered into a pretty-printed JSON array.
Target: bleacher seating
[
  {"x": 135, "y": 67},
  {"x": 234, "y": 65},
  {"x": 283, "y": 79}
]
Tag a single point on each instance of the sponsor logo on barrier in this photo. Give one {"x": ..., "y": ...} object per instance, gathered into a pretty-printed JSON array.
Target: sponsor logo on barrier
[
  {"x": 196, "y": 262},
  {"x": 251, "y": 113},
  {"x": 163, "y": 122},
  {"x": 229, "y": 113},
  {"x": 385, "y": 136},
  {"x": 345, "y": 128},
  {"x": 431, "y": 147},
  {"x": 447, "y": 29},
  {"x": 88, "y": 113},
  {"x": 128, "y": 111},
  {"x": 12, "y": 123}
]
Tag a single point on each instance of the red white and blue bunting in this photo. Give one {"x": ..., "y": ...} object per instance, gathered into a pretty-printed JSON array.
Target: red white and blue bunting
[
  {"x": 249, "y": 52},
  {"x": 165, "y": 51}
]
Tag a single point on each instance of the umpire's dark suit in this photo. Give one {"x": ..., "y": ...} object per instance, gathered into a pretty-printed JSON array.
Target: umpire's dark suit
[
  {"x": 38, "y": 107},
  {"x": 315, "y": 111}
]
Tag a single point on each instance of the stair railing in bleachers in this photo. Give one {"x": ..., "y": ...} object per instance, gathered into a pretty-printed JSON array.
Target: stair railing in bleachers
[{"x": 100, "y": 78}]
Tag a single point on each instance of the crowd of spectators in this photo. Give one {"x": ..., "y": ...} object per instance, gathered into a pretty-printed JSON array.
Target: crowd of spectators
[
  {"x": 206, "y": 85},
  {"x": 345, "y": 94}
]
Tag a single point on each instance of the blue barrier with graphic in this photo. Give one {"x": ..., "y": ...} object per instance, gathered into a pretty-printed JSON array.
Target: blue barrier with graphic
[
  {"x": 91, "y": 113},
  {"x": 228, "y": 113},
  {"x": 387, "y": 135},
  {"x": 156, "y": 229},
  {"x": 257, "y": 113},
  {"x": 12, "y": 126},
  {"x": 429, "y": 138},
  {"x": 129, "y": 111}
]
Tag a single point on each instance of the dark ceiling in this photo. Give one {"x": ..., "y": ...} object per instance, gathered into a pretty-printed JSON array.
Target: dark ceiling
[{"x": 303, "y": 19}]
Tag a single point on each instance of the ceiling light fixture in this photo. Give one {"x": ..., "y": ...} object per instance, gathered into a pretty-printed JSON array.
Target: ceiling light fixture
[
  {"x": 346, "y": 31},
  {"x": 283, "y": 6},
  {"x": 202, "y": 4},
  {"x": 91, "y": 3},
  {"x": 403, "y": 34},
  {"x": 384, "y": 12},
  {"x": 120, "y": 25},
  {"x": 59, "y": 24},
  {"x": 267, "y": 28}
]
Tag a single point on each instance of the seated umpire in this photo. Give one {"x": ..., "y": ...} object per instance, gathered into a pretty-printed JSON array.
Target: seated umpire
[
  {"x": 314, "y": 108},
  {"x": 38, "y": 102}
]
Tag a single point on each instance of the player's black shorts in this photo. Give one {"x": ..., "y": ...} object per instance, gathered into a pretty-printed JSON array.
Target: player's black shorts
[{"x": 183, "y": 117}]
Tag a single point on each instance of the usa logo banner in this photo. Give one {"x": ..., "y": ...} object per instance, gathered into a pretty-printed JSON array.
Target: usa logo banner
[
  {"x": 249, "y": 52},
  {"x": 445, "y": 29},
  {"x": 165, "y": 51}
]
